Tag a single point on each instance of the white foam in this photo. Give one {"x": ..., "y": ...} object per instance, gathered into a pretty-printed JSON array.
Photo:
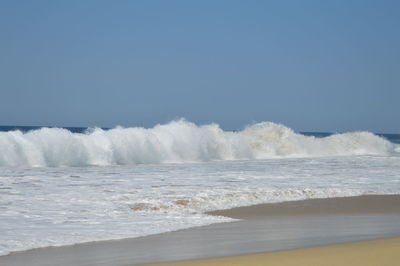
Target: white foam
[
  {"x": 177, "y": 141},
  {"x": 51, "y": 206}
]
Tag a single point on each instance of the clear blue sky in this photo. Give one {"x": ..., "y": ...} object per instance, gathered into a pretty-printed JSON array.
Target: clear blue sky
[{"x": 311, "y": 65}]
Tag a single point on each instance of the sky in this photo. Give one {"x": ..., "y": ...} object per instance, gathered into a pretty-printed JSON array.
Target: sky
[{"x": 329, "y": 66}]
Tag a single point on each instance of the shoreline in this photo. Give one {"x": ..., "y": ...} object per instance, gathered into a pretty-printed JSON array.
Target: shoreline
[
  {"x": 264, "y": 227},
  {"x": 319, "y": 206},
  {"x": 370, "y": 252}
]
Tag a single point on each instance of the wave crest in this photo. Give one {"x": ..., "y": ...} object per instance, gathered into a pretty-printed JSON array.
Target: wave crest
[{"x": 177, "y": 141}]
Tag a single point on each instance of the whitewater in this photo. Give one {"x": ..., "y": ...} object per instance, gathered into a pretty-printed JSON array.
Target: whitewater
[
  {"x": 58, "y": 187},
  {"x": 178, "y": 141}
]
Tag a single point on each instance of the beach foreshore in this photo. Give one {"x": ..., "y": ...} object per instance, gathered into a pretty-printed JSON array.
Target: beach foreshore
[
  {"x": 385, "y": 251},
  {"x": 323, "y": 206},
  {"x": 262, "y": 228},
  {"x": 363, "y": 253}
]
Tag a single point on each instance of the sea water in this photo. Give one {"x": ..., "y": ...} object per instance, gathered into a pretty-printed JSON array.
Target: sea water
[{"x": 65, "y": 186}]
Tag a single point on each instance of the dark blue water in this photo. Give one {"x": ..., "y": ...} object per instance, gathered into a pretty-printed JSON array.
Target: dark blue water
[
  {"x": 395, "y": 138},
  {"x": 29, "y": 128}
]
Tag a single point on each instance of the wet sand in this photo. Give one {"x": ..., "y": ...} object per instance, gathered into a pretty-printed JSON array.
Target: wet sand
[
  {"x": 369, "y": 252},
  {"x": 366, "y": 253},
  {"x": 265, "y": 227},
  {"x": 329, "y": 206}
]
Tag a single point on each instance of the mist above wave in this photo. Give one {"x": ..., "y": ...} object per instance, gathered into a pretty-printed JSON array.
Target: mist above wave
[{"x": 177, "y": 141}]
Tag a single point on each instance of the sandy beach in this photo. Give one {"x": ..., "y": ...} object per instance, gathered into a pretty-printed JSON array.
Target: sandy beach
[
  {"x": 384, "y": 251},
  {"x": 264, "y": 230},
  {"x": 365, "y": 253},
  {"x": 327, "y": 206}
]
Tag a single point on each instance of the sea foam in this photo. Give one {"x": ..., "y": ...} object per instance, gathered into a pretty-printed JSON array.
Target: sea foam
[{"x": 177, "y": 141}]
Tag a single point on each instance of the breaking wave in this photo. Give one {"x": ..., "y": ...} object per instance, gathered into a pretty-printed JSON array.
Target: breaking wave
[{"x": 177, "y": 141}]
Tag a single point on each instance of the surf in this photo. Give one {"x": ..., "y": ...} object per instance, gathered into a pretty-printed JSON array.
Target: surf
[{"x": 178, "y": 141}]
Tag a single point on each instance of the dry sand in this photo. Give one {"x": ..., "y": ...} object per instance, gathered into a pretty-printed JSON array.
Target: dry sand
[{"x": 381, "y": 252}]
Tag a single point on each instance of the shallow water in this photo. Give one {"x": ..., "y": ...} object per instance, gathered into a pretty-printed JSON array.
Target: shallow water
[{"x": 58, "y": 206}]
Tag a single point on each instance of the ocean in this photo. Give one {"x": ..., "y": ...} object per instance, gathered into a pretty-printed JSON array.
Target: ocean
[{"x": 61, "y": 186}]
